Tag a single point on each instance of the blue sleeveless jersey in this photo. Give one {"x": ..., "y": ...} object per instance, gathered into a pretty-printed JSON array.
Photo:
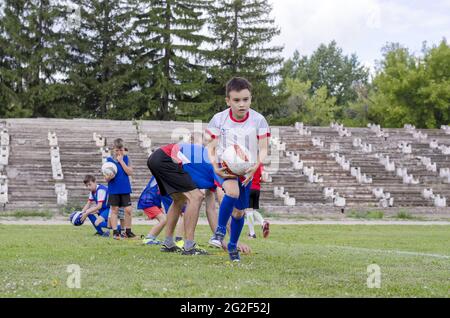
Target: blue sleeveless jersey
[
  {"x": 121, "y": 183},
  {"x": 151, "y": 196},
  {"x": 101, "y": 193}
]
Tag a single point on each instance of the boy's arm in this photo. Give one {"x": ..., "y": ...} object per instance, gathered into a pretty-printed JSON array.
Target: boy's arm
[
  {"x": 212, "y": 153},
  {"x": 263, "y": 179},
  {"x": 128, "y": 169},
  {"x": 91, "y": 210},
  {"x": 86, "y": 206},
  {"x": 94, "y": 209},
  {"x": 212, "y": 146},
  {"x": 263, "y": 146}
]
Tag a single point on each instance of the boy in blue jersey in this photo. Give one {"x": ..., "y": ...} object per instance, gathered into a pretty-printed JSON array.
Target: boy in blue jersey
[
  {"x": 96, "y": 208},
  {"x": 151, "y": 202},
  {"x": 242, "y": 126},
  {"x": 120, "y": 189}
]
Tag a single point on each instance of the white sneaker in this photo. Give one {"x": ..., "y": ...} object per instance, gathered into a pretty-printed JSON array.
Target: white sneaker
[{"x": 215, "y": 241}]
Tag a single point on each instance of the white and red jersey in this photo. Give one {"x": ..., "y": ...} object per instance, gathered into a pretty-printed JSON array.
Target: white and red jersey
[{"x": 245, "y": 132}]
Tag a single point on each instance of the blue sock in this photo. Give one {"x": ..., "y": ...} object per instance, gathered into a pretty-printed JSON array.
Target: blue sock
[
  {"x": 92, "y": 218},
  {"x": 236, "y": 228},
  {"x": 225, "y": 211},
  {"x": 103, "y": 225}
]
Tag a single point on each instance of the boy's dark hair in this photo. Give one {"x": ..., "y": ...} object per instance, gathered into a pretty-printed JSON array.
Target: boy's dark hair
[
  {"x": 118, "y": 143},
  {"x": 88, "y": 179},
  {"x": 238, "y": 84}
]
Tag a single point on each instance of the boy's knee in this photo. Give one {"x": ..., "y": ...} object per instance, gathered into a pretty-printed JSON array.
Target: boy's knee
[
  {"x": 194, "y": 196},
  {"x": 163, "y": 221},
  {"x": 238, "y": 214}
]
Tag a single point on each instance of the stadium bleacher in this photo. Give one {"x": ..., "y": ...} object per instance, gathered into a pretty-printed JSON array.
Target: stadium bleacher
[{"x": 319, "y": 167}]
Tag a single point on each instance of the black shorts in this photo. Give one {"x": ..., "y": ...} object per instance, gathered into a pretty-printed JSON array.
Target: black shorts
[
  {"x": 120, "y": 200},
  {"x": 254, "y": 199},
  {"x": 170, "y": 176}
]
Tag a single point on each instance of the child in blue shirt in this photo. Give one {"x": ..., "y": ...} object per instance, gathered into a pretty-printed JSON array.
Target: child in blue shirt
[{"x": 120, "y": 189}]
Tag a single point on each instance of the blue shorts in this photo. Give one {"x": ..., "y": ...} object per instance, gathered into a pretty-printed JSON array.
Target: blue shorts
[
  {"x": 244, "y": 192},
  {"x": 104, "y": 214}
]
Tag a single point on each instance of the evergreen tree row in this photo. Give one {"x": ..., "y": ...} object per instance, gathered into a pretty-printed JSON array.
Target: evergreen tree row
[{"x": 123, "y": 59}]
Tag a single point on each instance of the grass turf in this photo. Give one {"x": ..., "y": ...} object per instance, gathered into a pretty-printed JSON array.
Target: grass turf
[{"x": 296, "y": 261}]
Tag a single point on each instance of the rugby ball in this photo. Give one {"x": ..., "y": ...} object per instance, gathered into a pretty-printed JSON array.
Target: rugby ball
[
  {"x": 237, "y": 160},
  {"x": 75, "y": 218},
  {"x": 109, "y": 169}
]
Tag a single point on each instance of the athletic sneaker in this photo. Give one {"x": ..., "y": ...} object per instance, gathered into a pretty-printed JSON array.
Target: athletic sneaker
[
  {"x": 179, "y": 243},
  {"x": 117, "y": 237},
  {"x": 129, "y": 235},
  {"x": 266, "y": 229},
  {"x": 210, "y": 242},
  {"x": 149, "y": 241},
  {"x": 234, "y": 256},
  {"x": 173, "y": 249},
  {"x": 252, "y": 236},
  {"x": 217, "y": 240},
  {"x": 105, "y": 234},
  {"x": 195, "y": 250}
]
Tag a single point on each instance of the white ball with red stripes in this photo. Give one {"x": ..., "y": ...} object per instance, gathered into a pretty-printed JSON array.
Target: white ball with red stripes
[{"x": 237, "y": 160}]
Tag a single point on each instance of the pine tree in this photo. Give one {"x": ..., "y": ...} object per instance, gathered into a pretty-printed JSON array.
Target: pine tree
[
  {"x": 29, "y": 60},
  {"x": 242, "y": 30},
  {"x": 170, "y": 57},
  {"x": 100, "y": 69}
]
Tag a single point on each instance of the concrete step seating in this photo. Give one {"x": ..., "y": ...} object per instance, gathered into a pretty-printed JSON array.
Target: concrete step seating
[
  {"x": 4, "y": 160},
  {"x": 329, "y": 167}
]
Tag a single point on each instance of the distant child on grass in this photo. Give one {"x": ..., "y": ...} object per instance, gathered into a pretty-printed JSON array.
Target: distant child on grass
[
  {"x": 120, "y": 189},
  {"x": 151, "y": 202},
  {"x": 96, "y": 209},
  {"x": 252, "y": 214}
]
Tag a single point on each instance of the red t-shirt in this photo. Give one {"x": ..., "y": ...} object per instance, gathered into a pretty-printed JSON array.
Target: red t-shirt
[{"x": 256, "y": 183}]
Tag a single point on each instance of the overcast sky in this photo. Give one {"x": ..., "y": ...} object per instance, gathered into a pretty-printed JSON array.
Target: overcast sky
[{"x": 360, "y": 26}]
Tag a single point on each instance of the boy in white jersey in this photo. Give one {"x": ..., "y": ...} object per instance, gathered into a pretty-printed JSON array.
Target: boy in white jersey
[{"x": 242, "y": 126}]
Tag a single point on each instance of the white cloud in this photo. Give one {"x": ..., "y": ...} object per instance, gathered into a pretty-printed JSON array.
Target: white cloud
[
  {"x": 359, "y": 26},
  {"x": 305, "y": 24}
]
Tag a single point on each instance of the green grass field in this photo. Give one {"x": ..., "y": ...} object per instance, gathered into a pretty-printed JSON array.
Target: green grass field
[{"x": 296, "y": 261}]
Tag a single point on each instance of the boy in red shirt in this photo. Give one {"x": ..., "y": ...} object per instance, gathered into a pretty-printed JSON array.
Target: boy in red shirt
[{"x": 252, "y": 213}]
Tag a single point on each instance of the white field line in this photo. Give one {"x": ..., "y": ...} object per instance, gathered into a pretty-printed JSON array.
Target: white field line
[{"x": 370, "y": 250}]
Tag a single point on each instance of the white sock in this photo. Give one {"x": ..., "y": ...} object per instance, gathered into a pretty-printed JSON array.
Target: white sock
[
  {"x": 250, "y": 221},
  {"x": 258, "y": 217}
]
